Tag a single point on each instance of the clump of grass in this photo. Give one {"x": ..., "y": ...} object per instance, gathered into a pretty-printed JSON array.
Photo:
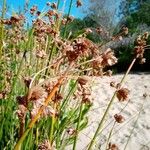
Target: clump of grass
[{"x": 44, "y": 93}]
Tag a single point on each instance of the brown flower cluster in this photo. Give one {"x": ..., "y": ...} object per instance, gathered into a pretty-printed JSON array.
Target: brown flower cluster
[
  {"x": 83, "y": 91},
  {"x": 112, "y": 147},
  {"x": 124, "y": 31},
  {"x": 71, "y": 131},
  {"x": 36, "y": 96},
  {"x": 105, "y": 59},
  {"x": 78, "y": 3},
  {"x": 79, "y": 48},
  {"x": 45, "y": 145},
  {"x": 16, "y": 20},
  {"x": 122, "y": 94},
  {"x": 140, "y": 44},
  {"x": 16, "y": 32},
  {"x": 119, "y": 118}
]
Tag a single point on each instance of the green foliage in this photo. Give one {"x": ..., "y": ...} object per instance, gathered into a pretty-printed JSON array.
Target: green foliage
[{"x": 135, "y": 12}]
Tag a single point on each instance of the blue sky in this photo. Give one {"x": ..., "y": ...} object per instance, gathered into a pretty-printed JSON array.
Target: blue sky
[{"x": 15, "y": 4}]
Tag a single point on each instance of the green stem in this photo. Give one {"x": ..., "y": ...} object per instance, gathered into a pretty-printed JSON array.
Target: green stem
[
  {"x": 52, "y": 127},
  {"x": 68, "y": 96},
  {"x": 18, "y": 145},
  {"x": 58, "y": 3},
  {"x": 50, "y": 57},
  {"x": 2, "y": 28},
  {"x": 99, "y": 128},
  {"x": 77, "y": 128},
  {"x": 37, "y": 136},
  {"x": 109, "y": 136},
  {"x": 134, "y": 126},
  {"x": 70, "y": 6}
]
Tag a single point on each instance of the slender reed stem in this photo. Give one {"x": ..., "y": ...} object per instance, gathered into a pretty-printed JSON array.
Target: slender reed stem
[
  {"x": 70, "y": 6},
  {"x": 77, "y": 128},
  {"x": 110, "y": 133},
  {"x": 134, "y": 126},
  {"x": 52, "y": 127},
  {"x": 49, "y": 58},
  {"x": 2, "y": 28},
  {"x": 99, "y": 128}
]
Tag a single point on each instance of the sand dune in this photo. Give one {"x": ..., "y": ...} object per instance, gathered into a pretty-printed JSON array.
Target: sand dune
[{"x": 139, "y": 101}]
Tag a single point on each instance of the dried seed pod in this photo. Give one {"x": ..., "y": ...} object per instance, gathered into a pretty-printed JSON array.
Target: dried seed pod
[
  {"x": 82, "y": 81},
  {"x": 125, "y": 30},
  {"x": 112, "y": 84},
  {"x": 71, "y": 131},
  {"x": 108, "y": 73},
  {"x": 112, "y": 147},
  {"x": 108, "y": 58},
  {"x": 78, "y": 3},
  {"x": 48, "y": 3},
  {"x": 21, "y": 112},
  {"x": 119, "y": 118},
  {"x": 142, "y": 61},
  {"x": 145, "y": 95},
  {"x": 33, "y": 9},
  {"x": 53, "y": 5},
  {"x": 122, "y": 94},
  {"x": 40, "y": 54},
  {"x": 45, "y": 145},
  {"x": 22, "y": 100},
  {"x": 27, "y": 81},
  {"x": 2, "y": 95},
  {"x": 36, "y": 93}
]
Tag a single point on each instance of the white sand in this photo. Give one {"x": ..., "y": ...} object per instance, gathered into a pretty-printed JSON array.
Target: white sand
[{"x": 138, "y": 84}]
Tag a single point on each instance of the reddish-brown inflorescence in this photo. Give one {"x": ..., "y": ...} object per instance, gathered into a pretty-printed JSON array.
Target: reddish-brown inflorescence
[
  {"x": 122, "y": 94},
  {"x": 45, "y": 145},
  {"x": 119, "y": 118},
  {"x": 112, "y": 147},
  {"x": 79, "y": 4},
  {"x": 139, "y": 49}
]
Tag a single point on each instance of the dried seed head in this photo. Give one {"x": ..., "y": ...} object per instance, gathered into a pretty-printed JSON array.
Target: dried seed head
[
  {"x": 108, "y": 73},
  {"x": 112, "y": 147},
  {"x": 82, "y": 80},
  {"x": 48, "y": 3},
  {"x": 48, "y": 86},
  {"x": 145, "y": 95},
  {"x": 38, "y": 13},
  {"x": 27, "y": 81},
  {"x": 2, "y": 95},
  {"x": 120, "y": 38},
  {"x": 71, "y": 131},
  {"x": 79, "y": 4},
  {"x": 70, "y": 19},
  {"x": 125, "y": 30},
  {"x": 21, "y": 112},
  {"x": 112, "y": 84},
  {"x": 22, "y": 100},
  {"x": 58, "y": 98},
  {"x": 122, "y": 94},
  {"x": 40, "y": 54},
  {"x": 119, "y": 118},
  {"x": 108, "y": 58},
  {"x": 145, "y": 35},
  {"x": 45, "y": 145},
  {"x": 142, "y": 61},
  {"x": 33, "y": 9},
  {"x": 88, "y": 30},
  {"x": 53, "y": 5},
  {"x": 140, "y": 44},
  {"x": 99, "y": 30},
  {"x": 36, "y": 93}
]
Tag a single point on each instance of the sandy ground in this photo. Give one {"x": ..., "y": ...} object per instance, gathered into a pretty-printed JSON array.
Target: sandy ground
[{"x": 138, "y": 84}]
